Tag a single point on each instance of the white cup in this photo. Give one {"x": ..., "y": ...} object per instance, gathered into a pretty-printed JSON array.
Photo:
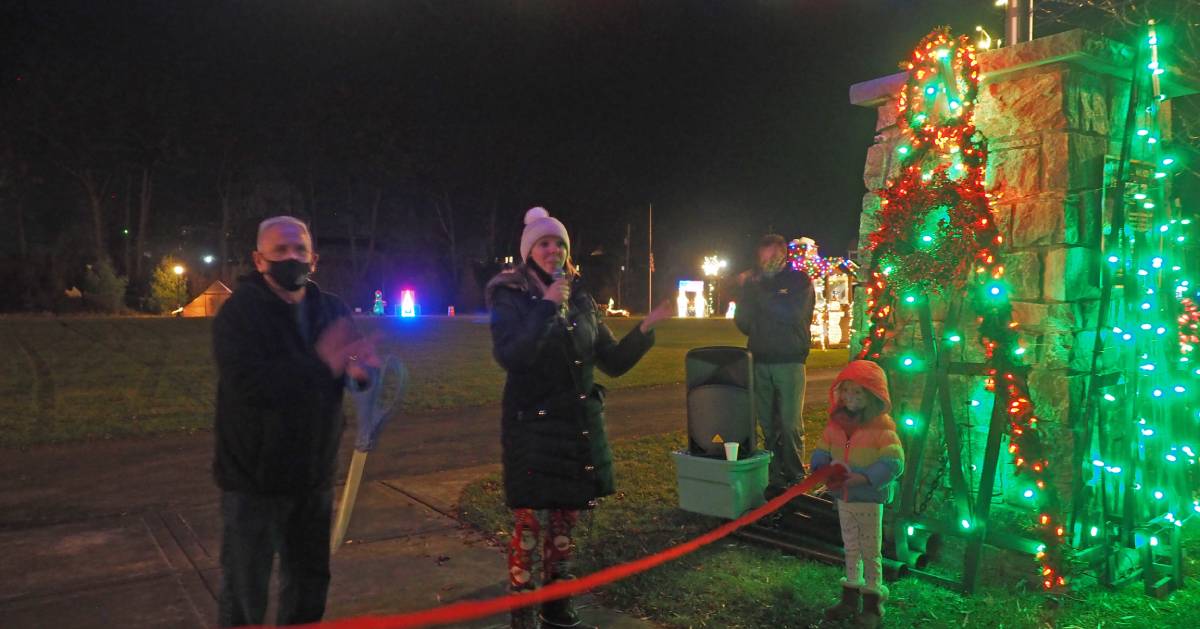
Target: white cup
[{"x": 731, "y": 450}]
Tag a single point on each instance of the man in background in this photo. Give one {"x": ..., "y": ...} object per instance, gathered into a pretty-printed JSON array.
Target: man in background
[{"x": 775, "y": 312}]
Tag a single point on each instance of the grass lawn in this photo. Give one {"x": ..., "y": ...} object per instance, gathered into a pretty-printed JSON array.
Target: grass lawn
[
  {"x": 737, "y": 584},
  {"x": 73, "y": 379}
]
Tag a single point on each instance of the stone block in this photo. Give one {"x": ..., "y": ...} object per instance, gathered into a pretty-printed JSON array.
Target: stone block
[
  {"x": 1057, "y": 219},
  {"x": 1118, "y": 104},
  {"x": 1014, "y": 172},
  {"x": 1056, "y": 350},
  {"x": 1070, "y": 274},
  {"x": 1072, "y": 44},
  {"x": 886, "y": 116},
  {"x": 1072, "y": 161},
  {"x": 1038, "y": 318},
  {"x": 1084, "y": 216},
  {"x": 1051, "y": 395},
  {"x": 869, "y": 220},
  {"x": 875, "y": 174},
  {"x": 1030, "y": 101},
  {"x": 1061, "y": 318},
  {"x": 971, "y": 348},
  {"x": 1040, "y": 220},
  {"x": 1023, "y": 270},
  {"x": 1085, "y": 103},
  {"x": 1030, "y": 316},
  {"x": 1035, "y": 349},
  {"x": 1002, "y": 213}
]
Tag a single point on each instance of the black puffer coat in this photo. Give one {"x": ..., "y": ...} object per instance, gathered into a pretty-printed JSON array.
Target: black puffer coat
[
  {"x": 555, "y": 451},
  {"x": 279, "y": 408}
]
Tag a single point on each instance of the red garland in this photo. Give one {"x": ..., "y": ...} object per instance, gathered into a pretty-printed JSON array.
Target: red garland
[{"x": 933, "y": 229}]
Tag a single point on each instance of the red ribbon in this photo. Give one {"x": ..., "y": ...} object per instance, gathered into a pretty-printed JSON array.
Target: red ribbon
[{"x": 471, "y": 610}]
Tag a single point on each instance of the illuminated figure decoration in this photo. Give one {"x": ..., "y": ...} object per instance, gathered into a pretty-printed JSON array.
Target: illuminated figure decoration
[
  {"x": 614, "y": 311},
  {"x": 691, "y": 302},
  {"x": 380, "y": 307},
  {"x": 408, "y": 303},
  {"x": 833, "y": 280}
]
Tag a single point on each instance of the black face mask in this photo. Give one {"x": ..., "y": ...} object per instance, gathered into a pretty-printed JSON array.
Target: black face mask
[{"x": 291, "y": 274}]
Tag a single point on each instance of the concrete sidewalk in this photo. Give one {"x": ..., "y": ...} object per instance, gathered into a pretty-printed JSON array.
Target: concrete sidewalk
[{"x": 159, "y": 569}]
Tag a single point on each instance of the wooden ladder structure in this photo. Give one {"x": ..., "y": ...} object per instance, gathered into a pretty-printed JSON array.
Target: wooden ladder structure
[{"x": 972, "y": 510}]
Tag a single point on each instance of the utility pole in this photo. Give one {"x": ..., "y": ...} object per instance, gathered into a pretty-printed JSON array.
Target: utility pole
[
  {"x": 1018, "y": 22},
  {"x": 621, "y": 277},
  {"x": 650, "y": 269}
]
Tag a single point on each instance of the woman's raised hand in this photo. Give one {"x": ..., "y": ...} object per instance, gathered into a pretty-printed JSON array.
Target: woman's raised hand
[{"x": 663, "y": 311}]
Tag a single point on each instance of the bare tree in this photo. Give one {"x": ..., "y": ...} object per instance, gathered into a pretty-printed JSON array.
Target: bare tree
[
  {"x": 227, "y": 191},
  {"x": 443, "y": 211},
  {"x": 14, "y": 175}
]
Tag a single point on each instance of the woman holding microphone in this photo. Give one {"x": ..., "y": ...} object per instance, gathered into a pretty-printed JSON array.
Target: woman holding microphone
[{"x": 549, "y": 337}]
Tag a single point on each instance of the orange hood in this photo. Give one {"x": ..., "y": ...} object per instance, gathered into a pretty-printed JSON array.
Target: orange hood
[{"x": 869, "y": 376}]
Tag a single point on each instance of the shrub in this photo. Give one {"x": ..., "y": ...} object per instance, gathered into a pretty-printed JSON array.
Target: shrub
[
  {"x": 103, "y": 289},
  {"x": 168, "y": 289}
]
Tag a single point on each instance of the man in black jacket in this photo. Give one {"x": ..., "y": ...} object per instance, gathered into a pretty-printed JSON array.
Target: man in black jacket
[
  {"x": 775, "y": 311},
  {"x": 283, "y": 348}
]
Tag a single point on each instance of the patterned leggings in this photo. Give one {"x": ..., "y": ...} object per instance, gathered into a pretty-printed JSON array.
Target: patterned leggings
[
  {"x": 556, "y": 546},
  {"x": 862, "y": 537}
]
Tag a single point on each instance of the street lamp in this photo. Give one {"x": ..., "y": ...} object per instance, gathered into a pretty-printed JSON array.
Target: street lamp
[
  {"x": 182, "y": 285},
  {"x": 712, "y": 266},
  {"x": 208, "y": 259}
]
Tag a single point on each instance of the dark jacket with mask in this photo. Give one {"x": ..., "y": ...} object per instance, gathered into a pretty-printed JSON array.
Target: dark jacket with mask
[
  {"x": 279, "y": 417},
  {"x": 555, "y": 451},
  {"x": 776, "y": 313}
]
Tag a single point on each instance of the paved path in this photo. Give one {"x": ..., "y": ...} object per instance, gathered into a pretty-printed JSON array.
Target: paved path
[{"x": 125, "y": 533}]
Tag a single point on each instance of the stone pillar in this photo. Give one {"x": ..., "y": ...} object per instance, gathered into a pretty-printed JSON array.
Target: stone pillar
[{"x": 1053, "y": 112}]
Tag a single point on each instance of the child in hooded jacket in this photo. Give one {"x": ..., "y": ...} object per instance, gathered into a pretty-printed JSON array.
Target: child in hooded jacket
[{"x": 861, "y": 437}]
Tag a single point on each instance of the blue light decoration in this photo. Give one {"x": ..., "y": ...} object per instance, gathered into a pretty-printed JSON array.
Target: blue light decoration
[{"x": 408, "y": 303}]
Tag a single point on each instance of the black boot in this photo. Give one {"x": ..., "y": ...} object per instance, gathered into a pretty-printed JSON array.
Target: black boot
[
  {"x": 561, "y": 614},
  {"x": 848, "y": 607},
  {"x": 872, "y": 613},
  {"x": 524, "y": 618}
]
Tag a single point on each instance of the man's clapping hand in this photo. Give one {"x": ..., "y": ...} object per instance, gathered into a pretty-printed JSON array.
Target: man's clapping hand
[{"x": 340, "y": 345}]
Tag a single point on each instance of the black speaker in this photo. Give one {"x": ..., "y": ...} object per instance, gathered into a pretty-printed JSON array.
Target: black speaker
[{"x": 720, "y": 401}]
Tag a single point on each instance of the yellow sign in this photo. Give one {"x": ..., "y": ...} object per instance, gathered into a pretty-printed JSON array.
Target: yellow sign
[{"x": 718, "y": 439}]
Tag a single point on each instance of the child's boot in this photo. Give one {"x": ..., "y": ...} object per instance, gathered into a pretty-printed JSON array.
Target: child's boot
[
  {"x": 848, "y": 606},
  {"x": 872, "y": 612}
]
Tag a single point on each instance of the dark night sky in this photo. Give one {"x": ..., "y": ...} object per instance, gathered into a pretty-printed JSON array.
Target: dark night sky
[{"x": 731, "y": 117}]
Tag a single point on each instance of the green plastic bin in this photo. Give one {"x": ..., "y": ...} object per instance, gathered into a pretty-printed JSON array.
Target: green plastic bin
[{"x": 716, "y": 487}]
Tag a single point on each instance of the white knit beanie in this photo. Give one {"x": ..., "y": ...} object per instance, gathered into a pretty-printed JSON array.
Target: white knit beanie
[{"x": 538, "y": 225}]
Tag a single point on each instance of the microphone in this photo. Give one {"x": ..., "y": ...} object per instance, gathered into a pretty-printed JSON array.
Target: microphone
[{"x": 561, "y": 274}]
